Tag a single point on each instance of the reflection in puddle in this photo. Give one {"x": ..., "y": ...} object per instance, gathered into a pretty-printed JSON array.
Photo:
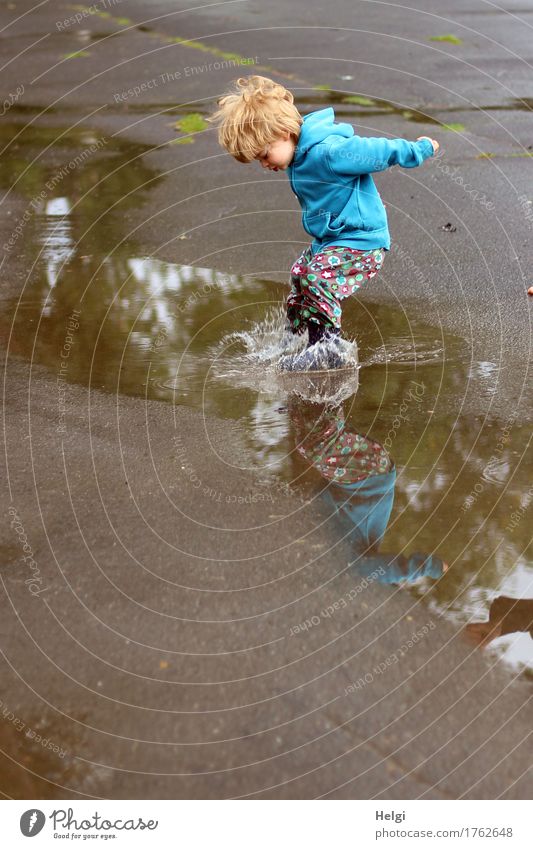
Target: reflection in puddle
[
  {"x": 361, "y": 476},
  {"x": 175, "y": 333},
  {"x": 506, "y": 616},
  {"x": 194, "y": 336},
  {"x": 37, "y": 759},
  {"x": 510, "y": 621}
]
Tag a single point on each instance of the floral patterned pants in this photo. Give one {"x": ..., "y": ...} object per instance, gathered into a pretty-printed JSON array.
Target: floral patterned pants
[
  {"x": 338, "y": 454},
  {"x": 320, "y": 282}
]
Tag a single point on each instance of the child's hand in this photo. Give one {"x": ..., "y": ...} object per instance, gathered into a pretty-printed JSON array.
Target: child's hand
[{"x": 435, "y": 144}]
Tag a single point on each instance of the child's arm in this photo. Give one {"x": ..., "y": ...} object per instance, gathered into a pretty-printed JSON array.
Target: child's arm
[
  {"x": 396, "y": 569},
  {"x": 359, "y": 155}
]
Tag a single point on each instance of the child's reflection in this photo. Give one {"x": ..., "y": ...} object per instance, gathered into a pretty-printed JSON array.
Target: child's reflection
[{"x": 362, "y": 476}]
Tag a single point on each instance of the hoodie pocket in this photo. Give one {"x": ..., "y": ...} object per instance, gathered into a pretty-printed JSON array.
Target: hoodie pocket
[
  {"x": 323, "y": 224},
  {"x": 335, "y": 224}
]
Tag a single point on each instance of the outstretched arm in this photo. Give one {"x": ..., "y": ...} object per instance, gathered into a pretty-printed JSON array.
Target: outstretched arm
[
  {"x": 391, "y": 569},
  {"x": 359, "y": 155}
]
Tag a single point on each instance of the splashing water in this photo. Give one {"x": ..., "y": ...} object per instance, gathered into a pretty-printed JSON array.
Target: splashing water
[
  {"x": 407, "y": 351},
  {"x": 251, "y": 358},
  {"x": 263, "y": 344}
]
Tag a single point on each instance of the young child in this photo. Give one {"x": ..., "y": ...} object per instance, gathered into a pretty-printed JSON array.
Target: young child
[{"x": 330, "y": 170}]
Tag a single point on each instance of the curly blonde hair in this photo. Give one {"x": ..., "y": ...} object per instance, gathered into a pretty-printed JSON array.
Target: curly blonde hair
[{"x": 257, "y": 112}]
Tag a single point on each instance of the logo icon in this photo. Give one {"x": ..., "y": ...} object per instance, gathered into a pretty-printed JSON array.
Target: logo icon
[{"x": 32, "y": 822}]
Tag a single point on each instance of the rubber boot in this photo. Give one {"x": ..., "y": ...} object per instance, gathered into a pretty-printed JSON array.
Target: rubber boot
[
  {"x": 321, "y": 354},
  {"x": 319, "y": 332}
]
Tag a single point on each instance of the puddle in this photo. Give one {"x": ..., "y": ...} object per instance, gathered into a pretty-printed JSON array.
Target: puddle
[
  {"x": 458, "y": 488},
  {"x": 38, "y": 759}
]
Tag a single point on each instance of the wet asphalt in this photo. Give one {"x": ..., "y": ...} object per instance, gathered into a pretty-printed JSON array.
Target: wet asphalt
[{"x": 155, "y": 649}]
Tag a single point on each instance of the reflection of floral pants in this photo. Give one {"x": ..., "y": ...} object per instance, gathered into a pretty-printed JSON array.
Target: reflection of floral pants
[
  {"x": 339, "y": 454},
  {"x": 320, "y": 282}
]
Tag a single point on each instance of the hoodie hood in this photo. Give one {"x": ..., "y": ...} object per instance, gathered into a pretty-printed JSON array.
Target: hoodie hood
[{"x": 316, "y": 127}]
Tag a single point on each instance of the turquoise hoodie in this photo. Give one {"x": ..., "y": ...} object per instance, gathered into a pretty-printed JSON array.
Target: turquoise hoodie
[
  {"x": 363, "y": 508},
  {"x": 330, "y": 175}
]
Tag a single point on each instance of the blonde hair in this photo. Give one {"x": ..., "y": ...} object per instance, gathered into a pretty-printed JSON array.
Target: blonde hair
[{"x": 255, "y": 114}]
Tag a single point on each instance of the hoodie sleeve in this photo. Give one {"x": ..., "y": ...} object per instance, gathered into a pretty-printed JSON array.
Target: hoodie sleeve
[{"x": 359, "y": 155}]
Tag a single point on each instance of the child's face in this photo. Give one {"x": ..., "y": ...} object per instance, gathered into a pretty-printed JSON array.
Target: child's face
[{"x": 278, "y": 154}]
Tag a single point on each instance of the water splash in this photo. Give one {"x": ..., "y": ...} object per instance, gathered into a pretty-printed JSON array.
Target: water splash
[
  {"x": 326, "y": 355},
  {"x": 407, "y": 351},
  {"x": 262, "y": 345},
  {"x": 251, "y": 358}
]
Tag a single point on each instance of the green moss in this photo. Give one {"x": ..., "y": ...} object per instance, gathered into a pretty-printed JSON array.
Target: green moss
[
  {"x": 241, "y": 60},
  {"x": 185, "y": 42},
  {"x": 322, "y": 88},
  {"x": 195, "y": 45},
  {"x": 502, "y": 155},
  {"x": 451, "y": 39},
  {"x": 191, "y": 123},
  {"x": 76, "y": 54},
  {"x": 206, "y": 48},
  {"x": 357, "y": 98},
  {"x": 457, "y": 128},
  {"x": 186, "y": 140}
]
